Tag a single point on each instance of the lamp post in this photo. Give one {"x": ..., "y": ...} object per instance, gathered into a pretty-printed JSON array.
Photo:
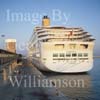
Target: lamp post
[{"x": 2, "y": 41}]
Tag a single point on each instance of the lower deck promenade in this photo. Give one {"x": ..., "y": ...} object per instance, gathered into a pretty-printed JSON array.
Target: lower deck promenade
[{"x": 26, "y": 83}]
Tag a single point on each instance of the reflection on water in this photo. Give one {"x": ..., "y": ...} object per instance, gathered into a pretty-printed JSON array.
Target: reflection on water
[
  {"x": 91, "y": 90},
  {"x": 72, "y": 90}
]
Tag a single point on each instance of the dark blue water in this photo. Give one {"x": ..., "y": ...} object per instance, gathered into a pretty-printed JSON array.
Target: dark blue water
[
  {"x": 95, "y": 79},
  {"x": 90, "y": 90}
]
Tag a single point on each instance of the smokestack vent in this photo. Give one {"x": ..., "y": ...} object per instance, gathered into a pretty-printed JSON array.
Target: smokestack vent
[{"x": 45, "y": 21}]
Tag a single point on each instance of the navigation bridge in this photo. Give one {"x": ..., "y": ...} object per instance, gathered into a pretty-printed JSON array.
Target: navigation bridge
[{"x": 8, "y": 62}]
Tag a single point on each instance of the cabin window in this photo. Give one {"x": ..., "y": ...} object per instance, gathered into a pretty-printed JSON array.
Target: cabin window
[
  {"x": 74, "y": 55},
  {"x": 72, "y": 46},
  {"x": 59, "y": 45},
  {"x": 84, "y": 46},
  {"x": 68, "y": 55},
  {"x": 45, "y": 40},
  {"x": 55, "y": 55},
  {"x": 80, "y": 55},
  {"x": 83, "y": 58},
  {"x": 62, "y": 55},
  {"x": 85, "y": 54}
]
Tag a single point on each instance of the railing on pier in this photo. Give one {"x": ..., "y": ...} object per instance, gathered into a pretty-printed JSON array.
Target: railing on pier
[
  {"x": 6, "y": 57},
  {"x": 8, "y": 61}
]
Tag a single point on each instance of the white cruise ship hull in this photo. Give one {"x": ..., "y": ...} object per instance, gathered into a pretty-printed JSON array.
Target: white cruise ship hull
[
  {"x": 65, "y": 67},
  {"x": 47, "y": 61},
  {"x": 61, "y": 49}
]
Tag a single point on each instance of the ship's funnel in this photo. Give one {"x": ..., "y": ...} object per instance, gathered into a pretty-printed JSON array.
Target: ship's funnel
[{"x": 45, "y": 21}]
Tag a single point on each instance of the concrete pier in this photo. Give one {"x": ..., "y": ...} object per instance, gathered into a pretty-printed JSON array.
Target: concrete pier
[{"x": 29, "y": 90}]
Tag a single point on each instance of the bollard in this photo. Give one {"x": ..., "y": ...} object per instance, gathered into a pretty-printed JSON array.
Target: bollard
[
  {"x": 10, "y": 69},
  {"x": 4, "y": 75}
]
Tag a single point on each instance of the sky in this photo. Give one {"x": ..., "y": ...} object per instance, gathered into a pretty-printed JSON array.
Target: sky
[{"x": 69, "y": 13}]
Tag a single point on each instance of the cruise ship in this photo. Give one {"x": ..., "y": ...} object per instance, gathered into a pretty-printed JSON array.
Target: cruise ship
[{"x": 61, "y": 49}]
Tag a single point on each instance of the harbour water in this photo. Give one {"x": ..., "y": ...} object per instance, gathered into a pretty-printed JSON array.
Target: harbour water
[
  {"x": 88, "y": 90},
  {"x": 84, "y": 86}
]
